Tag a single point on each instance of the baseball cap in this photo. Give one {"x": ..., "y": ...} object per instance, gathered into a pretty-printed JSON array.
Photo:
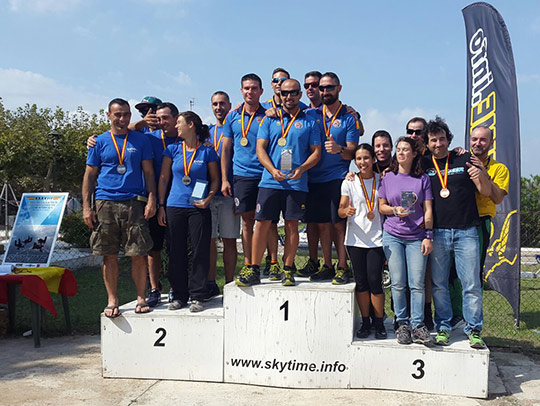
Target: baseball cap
[{"x": 147, "y": 102}]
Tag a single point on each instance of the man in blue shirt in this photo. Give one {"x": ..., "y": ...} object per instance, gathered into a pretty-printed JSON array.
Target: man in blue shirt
[
  {"x": 341, "y": 133},
  {"x": 279, "y": 75},
  {"x": 287, "y": 146},
  {"x": 239, "y": 147},
  {"x": 115, "y": 168}
]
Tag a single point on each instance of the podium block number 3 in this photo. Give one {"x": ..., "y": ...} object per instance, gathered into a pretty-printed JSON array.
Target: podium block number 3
[
  {"x": 419, "y": 374},
  {"x": 163, "y": 333},
  {"x": 285, "y": 308}
]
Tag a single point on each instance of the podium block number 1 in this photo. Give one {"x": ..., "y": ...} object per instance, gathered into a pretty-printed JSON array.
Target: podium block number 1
[{"x": 285, "y": 308}]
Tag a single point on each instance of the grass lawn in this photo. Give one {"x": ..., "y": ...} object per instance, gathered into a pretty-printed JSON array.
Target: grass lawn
[{"x": 91, "y": 298}]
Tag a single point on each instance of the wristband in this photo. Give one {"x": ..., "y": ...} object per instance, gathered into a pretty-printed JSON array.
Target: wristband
[
  {"x": 429, "y": 234},
  {"x": 394, "y": 210}
]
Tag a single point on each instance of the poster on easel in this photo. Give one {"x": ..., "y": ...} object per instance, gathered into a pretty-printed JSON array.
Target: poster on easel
[{"x": 35, "y": 230}]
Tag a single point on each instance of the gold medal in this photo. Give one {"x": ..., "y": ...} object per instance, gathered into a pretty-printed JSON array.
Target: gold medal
[
  {"x": 245, "y": 130},
  {"x": 370, "y": 201},
  {"x": 244, "y": 142},
  {"x": 370, "y": 215},
  {"x": 444, "y": 193},
  {"x": 285, "y": 131},
  {"x": 282, "y": 142}
]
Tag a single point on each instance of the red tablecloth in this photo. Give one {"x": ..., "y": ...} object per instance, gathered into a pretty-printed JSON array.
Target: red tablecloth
[{"x": 35, "y": 288}]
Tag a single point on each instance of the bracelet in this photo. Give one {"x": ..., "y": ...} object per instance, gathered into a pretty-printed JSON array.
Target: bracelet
[
  {"x": 394, "y": 210},
  {"x": 429, "y": 234}
]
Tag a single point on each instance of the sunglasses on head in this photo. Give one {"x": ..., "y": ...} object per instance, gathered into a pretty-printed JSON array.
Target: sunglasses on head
[
  {"x": 329, "y": 88},
  {"x": 285, "y": 93},
  {"x": 313, "y": 85},
  {"x": 416, "y": 132},
  {"x": 277, "y": 80}
]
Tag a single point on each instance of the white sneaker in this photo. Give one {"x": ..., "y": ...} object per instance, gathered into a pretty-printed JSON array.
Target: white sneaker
[{"x": 196, "y": 306}]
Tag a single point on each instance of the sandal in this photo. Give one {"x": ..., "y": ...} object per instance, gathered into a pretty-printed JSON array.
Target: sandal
[
  {"x": 140, "y": 306},
  {"x": 115, "y": 312}
]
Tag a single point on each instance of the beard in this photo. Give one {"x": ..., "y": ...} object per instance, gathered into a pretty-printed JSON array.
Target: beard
[{"x": 329, "y": 98}]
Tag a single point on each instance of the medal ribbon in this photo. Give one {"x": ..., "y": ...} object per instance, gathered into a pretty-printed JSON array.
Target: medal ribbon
[
  {"x": 327, "y": 129},
  {"x": 245, "y": 131},
  {"x": 120, "y": 156},
  {"x": 444, "y": 181},
  {"x": 187, "y": 168},
  {"x": 370, "y": 201},
  {"x": 163, "y": 140},
  {"x": 285, "y": 132},
  {"x": 216, "y": 141}
]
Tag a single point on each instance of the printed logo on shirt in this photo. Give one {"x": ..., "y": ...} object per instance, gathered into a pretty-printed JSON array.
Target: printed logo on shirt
[
  {"x": 454, "y": 171},
  {"x": 131, "y": 149},
  {"x": 198, "y": 162},
  {"x": 258, "y": 208},
  {"x": 337, "y": 123},
  {"x": 278, "y": 123},
  {"x": 298, "y": 124},
  {"x": 259, "y": 118},
  {"x": 236, "y": 201}
]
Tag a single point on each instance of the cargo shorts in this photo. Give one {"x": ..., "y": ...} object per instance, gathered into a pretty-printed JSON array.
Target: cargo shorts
[{"x": 121, "y": 225}]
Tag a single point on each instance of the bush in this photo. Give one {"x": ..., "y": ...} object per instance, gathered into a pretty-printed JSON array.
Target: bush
[{"x": 74, "y": 231}]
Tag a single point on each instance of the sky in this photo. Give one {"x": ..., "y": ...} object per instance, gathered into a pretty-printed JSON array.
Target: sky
[{"x": 395, "y": 59}]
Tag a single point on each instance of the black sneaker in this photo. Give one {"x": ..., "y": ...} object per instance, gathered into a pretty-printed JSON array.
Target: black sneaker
[
  {"x": 310, "y": 268},
  {"x": 287, "y": 277},
  {"x": 364, "y": 331},
  {"x": 213, "y": 291},
  {"x": 154, "y": 298},
  {"x": 266, "y": 270},
  {"x": 380, "y": 332},
  {"x": 403, "y": 334},
  {"x": 343, "y": 276},
  {"x": 325, "y": 273},
  {"x": 248, "y": 276}
]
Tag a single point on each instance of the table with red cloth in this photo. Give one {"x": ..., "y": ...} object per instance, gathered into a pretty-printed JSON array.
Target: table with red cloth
[{"x": 37, "y": 285}]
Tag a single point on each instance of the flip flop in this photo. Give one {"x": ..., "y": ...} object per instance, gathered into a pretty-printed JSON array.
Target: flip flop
[
  {"x": 140, "y": 306},
  {"x": 113, "y": 314}
]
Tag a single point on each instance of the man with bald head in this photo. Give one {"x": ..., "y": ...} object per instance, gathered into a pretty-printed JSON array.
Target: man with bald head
[{"x": 287, "y": 146}]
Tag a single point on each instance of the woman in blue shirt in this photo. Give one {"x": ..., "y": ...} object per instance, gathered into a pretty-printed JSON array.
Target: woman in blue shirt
[{"x": 192, "y": 166}]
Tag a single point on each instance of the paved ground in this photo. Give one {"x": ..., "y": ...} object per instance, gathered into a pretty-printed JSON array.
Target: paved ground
[{"x": 67, "y": 371}]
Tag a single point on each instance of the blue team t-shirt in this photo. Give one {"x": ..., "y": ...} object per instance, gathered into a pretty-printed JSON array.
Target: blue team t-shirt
[
  {"x": 159, "y": 142},
  {"x": 216, "y": 138},
  {"x": 112, "y": 185},
  {"x": 303, "y": 133},
  {"x": 180, "y": 194},
  {"x": 345, "y": 128},
  {"x": 245, "y": 162}
]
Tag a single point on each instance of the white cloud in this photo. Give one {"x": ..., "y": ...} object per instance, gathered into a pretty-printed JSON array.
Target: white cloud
[
  {"x": 182, "y": 79},
  {"x": 19, "y": 87},
  {"x": 528, "y": 79},
  {"x": 42, "y": 6}
]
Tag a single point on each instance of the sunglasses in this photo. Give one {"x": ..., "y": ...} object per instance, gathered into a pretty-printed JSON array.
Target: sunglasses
[
  {"x": 277, "y": 80},
  {"x": 313, "y": 85},
  {"x": 285, "y": 93},
  {"x": 329, "y": 88},
  {"x": 416, "y": 132}
]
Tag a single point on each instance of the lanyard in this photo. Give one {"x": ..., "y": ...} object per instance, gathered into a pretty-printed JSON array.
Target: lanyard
[
  {"x": 370, "y": 201},
  {"x": 120, "y": 155},
  {"x": 216, "y": 141},
  {"x": 187, "y": 168},
  {"x": 327, "y": 129},
  {"x": 444, "y": 181},
  {"x": 285, "y": 132},
  {"x": 245, "y": 131}
]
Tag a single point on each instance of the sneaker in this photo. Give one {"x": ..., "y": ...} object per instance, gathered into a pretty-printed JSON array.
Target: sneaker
[
  {"x": 403, "y": 334},
  {"x": 475, "y": 340},
  {"x": 420, "y": 335},
  {"x": 310, "y": 268},
  {"x": 248, "y": 277},
  {"x": 287, "y": 277},
  {"x": 457, "y": 322},
  {"x": 364, "y": 331},
  {"x": 343, "y": 275},
  {"x": 324, "y": 273},
  {"x": 213, "y": 291},
  {"x": 154, "y": 298},
  {"x": 380, "y": 332},
  {"x": 275, "y": 272},
  {"x": 196, "y": 306},
  {"x": 176, "y": 304},
  {"x": 266, "y": 270},
  {"x": 442, "y": 337}
]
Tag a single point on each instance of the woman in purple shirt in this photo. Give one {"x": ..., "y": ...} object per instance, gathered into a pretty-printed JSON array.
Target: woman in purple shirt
[{"x": 405, "y": 199}]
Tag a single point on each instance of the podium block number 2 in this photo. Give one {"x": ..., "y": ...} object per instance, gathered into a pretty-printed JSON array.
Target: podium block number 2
[
  {"x": 285, "y": 308},
  {"x": 163, "y": 333}
]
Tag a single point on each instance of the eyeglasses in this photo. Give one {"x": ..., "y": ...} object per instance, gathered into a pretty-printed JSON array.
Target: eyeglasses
[
  {"x": 277, "y": 80},
  {"x": 416, "y": 132},
  {"x": 285, "y": 93},
  {"x": 313, "y": 85},
  {"x": 329, "y": 88}
]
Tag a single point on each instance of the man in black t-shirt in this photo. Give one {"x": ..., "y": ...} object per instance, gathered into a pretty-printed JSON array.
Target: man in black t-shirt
[{"x": 454, "y": 182}]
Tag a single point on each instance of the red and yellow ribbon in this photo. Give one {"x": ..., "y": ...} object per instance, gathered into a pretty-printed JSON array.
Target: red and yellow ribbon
[
  {"x": 370, "y": 201},
  {"x": 444, "y": 181},
  {"x": 327, "y": 128},
  {"x": 245, "y": 131},
  {"x": 285, "y": 132},
  {"x": 216, "y": 141},
  {"x": 120, "y": 155},
  {"x": 187, "y": 168}
]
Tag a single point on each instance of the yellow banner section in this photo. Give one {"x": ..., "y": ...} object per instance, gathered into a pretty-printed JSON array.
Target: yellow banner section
[{"x": 51, "y": 275}]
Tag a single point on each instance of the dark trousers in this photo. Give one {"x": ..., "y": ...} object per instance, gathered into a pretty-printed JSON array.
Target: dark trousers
[{"x": 196, "y": 223}]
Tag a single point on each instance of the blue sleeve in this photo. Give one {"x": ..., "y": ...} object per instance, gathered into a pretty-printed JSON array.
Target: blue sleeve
[
  {"x": 147, "y": 150},
  {"x": 211, "y": 155},
  {"x": 263, "y": 132},
  {"x": 169, "y": 151},
  {"x": 94, "y": 154},
  {"x": 353, "y": 132},
  {"x": 227, "y": 125},
  {"x": 315, "y": 134}
]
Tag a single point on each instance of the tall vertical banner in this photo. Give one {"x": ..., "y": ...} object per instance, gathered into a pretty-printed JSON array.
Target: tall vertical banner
[{"x": 492, "y": 100}]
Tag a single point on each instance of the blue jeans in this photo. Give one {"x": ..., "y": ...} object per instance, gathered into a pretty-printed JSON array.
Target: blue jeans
[
  {"x": 464, "y": 246},
  {"x": 407, "y": 267}
]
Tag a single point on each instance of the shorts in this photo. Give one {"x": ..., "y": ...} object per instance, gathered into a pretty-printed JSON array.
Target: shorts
[
  {"x": 270, "y": 202},
  {"x": 224, "y": 222},
  {"x": 120, "y": 225},
  {"x": 157, "y": 233},
  {"x": 323, "y": 202},
  {"x": 245, "y": 193}
]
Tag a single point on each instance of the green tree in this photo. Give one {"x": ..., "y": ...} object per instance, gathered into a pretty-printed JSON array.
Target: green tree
[{"x": 530, "y": 211}]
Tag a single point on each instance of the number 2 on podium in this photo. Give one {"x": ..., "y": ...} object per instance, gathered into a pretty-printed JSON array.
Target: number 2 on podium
[{"x": 285, "y": 308}]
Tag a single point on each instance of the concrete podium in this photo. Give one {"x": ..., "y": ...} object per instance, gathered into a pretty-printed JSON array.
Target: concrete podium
[{"x": 295, "y": 337}]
